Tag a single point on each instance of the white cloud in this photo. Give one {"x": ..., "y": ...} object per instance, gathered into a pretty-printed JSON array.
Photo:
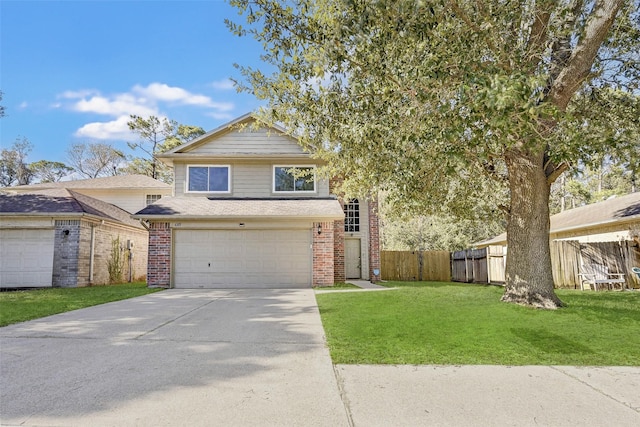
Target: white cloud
[
  {"x": 163, "y": 92},
  {"x": 223, "y": 106},
  {"x": 77, "y": 94},
  {"x": 23, "y": 105},
  {"x": 115, "y": 129},
  {"x": 141, "y": 100},
  {"x": 116, "y": 106},
  {"x": 224, "y": 84},
  {"x": 220, "y": 116}
]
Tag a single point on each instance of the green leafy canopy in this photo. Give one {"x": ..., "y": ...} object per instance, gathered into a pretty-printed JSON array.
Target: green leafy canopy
[{"x": 422, "y": 99}]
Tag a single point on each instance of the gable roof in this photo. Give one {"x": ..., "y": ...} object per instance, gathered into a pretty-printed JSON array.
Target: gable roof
[
  {"x": 236, "y": 148},
  {"x": 615, "y": 210},
  {"x": 204, "y": 208},
  {"x": 64, "y": 203},
  {"x": 121, "y": 182}
]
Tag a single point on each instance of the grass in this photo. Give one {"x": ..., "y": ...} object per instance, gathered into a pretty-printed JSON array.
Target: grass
[
  {"x": 339, "y": 285},
  {"x": 20, "y": 306},
  {"x": 449, "y": 323}
]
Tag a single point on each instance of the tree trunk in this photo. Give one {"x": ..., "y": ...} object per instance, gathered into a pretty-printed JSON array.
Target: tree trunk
[{"x": 529, "y": 279}]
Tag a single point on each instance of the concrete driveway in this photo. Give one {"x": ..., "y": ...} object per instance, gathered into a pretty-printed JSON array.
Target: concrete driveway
[
  {"x": 173, "y": 358},
  {"x": 258, "y": 358}
]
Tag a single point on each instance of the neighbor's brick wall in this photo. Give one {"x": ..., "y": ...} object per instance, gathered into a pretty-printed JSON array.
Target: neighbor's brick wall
[
  {"x": 72, "y": 253},
  {"x": 105, "y": 234},
  {"x": 374, "y": 241},
  {"x": 159, "y": 265},
  {"x": 339, "y": 272},
  {"x": 65, "y": 253},
  {"x": 323, "y": 271}
]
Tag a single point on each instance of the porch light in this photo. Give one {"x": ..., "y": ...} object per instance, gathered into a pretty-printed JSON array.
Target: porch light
[{"x": 319, "y": 228}]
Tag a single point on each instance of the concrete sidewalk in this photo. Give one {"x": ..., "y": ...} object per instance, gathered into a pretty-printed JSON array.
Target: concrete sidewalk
[
  {"x": 490, "y": 395},
  {"x": 258, "y": 357}
]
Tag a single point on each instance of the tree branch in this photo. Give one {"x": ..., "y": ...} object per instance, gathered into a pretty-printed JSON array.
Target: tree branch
[
  {"x": 579, "y": 64},
  {"x": 539, "y": 33}
]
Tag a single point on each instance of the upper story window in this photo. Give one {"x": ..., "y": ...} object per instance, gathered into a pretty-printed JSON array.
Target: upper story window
[
  {"x": 151, "y": 198},
  {"x": 294, "y": 179},
  {"x": 352, "y": 216},
  {"x": 208, "y": 179}
]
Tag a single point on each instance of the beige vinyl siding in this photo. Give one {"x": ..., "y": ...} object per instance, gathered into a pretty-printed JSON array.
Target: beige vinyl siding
[
  {"x": 248, "y": 179},
  {"x": 130, "y": 200},
  {"x": 249, "y": 141}
]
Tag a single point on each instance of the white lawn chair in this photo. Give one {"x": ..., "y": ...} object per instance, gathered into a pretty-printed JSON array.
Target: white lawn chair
[{"x": 597, "y": 274}]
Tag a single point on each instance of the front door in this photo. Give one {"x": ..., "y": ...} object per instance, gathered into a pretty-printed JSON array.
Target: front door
[{"x": 352, "y": 258}]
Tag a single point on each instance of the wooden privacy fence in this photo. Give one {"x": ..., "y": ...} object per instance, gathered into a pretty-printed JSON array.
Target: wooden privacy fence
[
  {"x": 618, "y": 257},
  {"x": 484, "y": 265},
  {"x": 487, "y": 265},
  {"x": 416, "y": 265}
]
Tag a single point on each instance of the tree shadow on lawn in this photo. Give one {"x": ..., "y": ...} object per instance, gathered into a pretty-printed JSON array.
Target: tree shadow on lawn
[
  {"x": 550, "y": 343},
  {"x": 618, "y": 308}
]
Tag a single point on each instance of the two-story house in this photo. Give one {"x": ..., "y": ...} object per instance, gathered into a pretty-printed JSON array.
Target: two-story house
[{"x": 249, "y": 210}]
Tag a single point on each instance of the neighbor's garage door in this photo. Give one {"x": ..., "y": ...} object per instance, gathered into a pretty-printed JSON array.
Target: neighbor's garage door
[
  {"x": 242, "y": 258},
  {"x": 26, "y": 258}
]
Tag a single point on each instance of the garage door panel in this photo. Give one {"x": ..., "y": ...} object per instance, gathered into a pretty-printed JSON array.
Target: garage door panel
[
  {"x": 26, "y": 257},
  {"x": 242, "y": 258}
]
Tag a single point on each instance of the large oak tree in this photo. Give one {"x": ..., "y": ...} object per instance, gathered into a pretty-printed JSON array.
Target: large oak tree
[{"x": 444, "y": 103}]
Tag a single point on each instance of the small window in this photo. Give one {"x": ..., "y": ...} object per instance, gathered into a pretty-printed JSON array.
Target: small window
[
  {"x": 208, "y": 179},
  {"x": 352, "y": 216},
  {"x": 151, "y": 198},
  {"x": 294, "y": 179}
]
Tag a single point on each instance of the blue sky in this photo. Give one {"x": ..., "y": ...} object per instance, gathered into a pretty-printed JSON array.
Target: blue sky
[{"x": 73, "y": 71}]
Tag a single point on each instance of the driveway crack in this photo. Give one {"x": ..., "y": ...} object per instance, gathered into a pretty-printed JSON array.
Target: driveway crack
[
  {"x": 597, "y": 390},
  {"x": 162, "y": 325},
  {"x": 343, "y": 395}
]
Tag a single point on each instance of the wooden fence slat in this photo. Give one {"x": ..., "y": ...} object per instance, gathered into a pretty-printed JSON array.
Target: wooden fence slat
[{"x": 415, "y": 265}]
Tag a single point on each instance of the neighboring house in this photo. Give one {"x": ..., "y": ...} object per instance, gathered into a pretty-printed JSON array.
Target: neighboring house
[
  {"x": 62, "y": 238},
  {"x": 129, "y": 192},
  {"x": 612, "y": 220},
  {"x": 250, "y": 211}
]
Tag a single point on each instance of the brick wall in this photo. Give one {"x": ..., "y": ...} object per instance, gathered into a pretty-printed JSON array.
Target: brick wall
[
  {"x": 323, "y": 252},
  {"x": 65, "y": 253},
  {"x": 339, "y": 272},
  {"x": 159, "y": 265},
  {"x": 72, "y": 252},
  {"x": 374, "y": 241},
  {"x": 105, "y": 236}
]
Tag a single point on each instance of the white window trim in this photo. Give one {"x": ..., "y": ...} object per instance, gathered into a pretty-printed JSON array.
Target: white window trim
[
  {"x": 273, "y": 180},
  {"x": 146, "y": 198},
  {"x": 186, "y": 190}
]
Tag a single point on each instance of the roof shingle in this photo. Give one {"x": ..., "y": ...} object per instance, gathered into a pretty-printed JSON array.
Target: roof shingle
[
  {"x": 192, "y": 207},
  {"x": 62, "y": 202}
]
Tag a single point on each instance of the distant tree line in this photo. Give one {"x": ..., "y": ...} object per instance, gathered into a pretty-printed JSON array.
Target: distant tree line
[{"x": 98, "y": 159}]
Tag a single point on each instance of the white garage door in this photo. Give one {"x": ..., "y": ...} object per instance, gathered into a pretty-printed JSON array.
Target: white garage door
[
  {"x": 242, "y": 258},
  {"x": 26, "y": 258}
]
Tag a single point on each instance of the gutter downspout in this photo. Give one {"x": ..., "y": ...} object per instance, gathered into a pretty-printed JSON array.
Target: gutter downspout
[{"x": 92, "y": 252}]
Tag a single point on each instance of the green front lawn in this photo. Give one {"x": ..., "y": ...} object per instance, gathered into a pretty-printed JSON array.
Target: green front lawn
[
  {"x": 450, "y": 323},
  {"x": 19, "y": 306}
]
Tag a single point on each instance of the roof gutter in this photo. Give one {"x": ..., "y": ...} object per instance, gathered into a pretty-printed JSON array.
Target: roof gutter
[{"x": 175, "y": 218}]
